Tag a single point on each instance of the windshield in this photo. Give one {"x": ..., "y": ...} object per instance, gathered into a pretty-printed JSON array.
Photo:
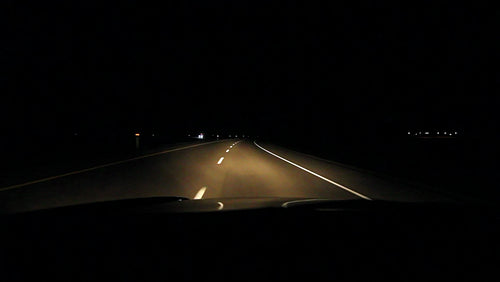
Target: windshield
[{"x": 221, "y": 99}]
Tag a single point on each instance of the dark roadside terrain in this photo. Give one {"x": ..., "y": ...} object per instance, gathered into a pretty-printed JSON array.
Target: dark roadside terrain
[
  {"x": 36, "y": 158},
  {"x": 464, "y": 167}
]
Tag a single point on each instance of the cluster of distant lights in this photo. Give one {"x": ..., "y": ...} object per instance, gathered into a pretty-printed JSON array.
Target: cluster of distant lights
[
  {"x": 441, "y": 133},
  {"x": 199, "y": 136},
  {"x": 235, "y": 135},
  {"x": 202, "y": 136}
]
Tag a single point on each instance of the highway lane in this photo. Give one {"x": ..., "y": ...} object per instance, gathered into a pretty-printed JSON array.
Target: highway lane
[{"x": 227, "y": 168}]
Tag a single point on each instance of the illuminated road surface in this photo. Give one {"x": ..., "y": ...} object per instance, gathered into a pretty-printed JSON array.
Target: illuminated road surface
[{"x": 227, "y": 168}]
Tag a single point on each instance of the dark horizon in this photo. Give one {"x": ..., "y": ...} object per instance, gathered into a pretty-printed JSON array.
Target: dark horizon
[{"x": 372, "y": 70}]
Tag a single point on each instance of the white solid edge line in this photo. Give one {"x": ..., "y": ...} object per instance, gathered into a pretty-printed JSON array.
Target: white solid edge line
[
  {"x": 220, "y": 160},
  {"x": 315, "y": 174},
  {"x": 101, "y": 166},
  {"x": 200, "y": 193}
]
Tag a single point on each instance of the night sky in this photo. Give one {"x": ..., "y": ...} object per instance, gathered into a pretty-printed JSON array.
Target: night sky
[{"x": 346, "y": 68}]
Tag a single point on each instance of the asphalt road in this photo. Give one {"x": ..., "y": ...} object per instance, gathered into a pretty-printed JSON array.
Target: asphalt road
[{"x": 220, "y": 169}]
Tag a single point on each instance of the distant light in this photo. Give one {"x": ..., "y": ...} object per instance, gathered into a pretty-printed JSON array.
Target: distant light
[
  {"x": 200, "y": 136},
  {"x": 229, "y": 135},
  {"x": 451, "y": 134},
  {"x": 438, "y": 133},
  {"x": 427, "y": 133},
  {"x": 227, "y": 151},
  {"x": 217, "y": 135},
  {"x": 445, "y": 133},
  {"x": 189, "y": 135},
  {"x": 420, "y": 133},
  {"x": 236, "y": 136},
  {"x": 409, "y": 133},
  {"x": 137, "y": 134},
  {"x": 455, "y": 133},
  {"x": 243, "y": 135},
  {"x": 153, "y": 135}
]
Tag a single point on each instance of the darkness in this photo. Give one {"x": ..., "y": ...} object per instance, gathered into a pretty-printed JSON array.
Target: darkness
[{"x": 296, "y": 72}]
